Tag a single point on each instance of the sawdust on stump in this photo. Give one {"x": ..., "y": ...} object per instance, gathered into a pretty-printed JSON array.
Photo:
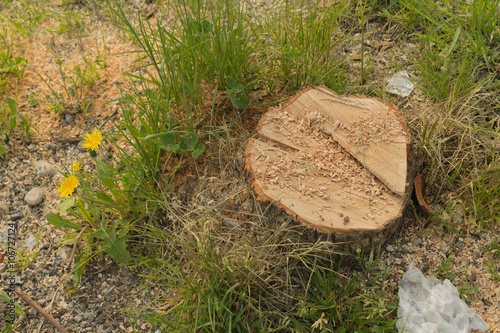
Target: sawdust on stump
[{"x": 340, "y": 165}]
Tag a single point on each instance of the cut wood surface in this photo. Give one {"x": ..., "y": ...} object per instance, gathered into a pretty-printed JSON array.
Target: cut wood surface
[{"x": 338, "y": 164}]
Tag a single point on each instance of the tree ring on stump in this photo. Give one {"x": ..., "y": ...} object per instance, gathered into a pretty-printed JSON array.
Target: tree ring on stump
[{"x": 339, "y": 165}]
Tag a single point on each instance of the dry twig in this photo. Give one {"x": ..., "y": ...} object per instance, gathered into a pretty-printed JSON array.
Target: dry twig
[{"x": 38, "y": 308}]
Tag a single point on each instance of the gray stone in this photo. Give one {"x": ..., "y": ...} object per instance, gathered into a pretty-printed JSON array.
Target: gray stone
[
  {"x": 44, "y": 168},
  {"x": 16, "y": 216},
  {"x": 35, "y": 196},
  {"x": 30, "y": 243},
  {"x": 390, "y": 248},
  {"x": 4, "y": 235},
  {"x": 109, "y": 329},
  {"x": 69, "y": 118},
  {"x": 78, "y": 318},
  {"x": 4, "y": 208},
  {"x": 417, "y": 242},
  {"x": 80, "y": 148},
  {"x": 63, "y": 305},
  {"x": 64, "y": 252},
  {"x": 87, "y": 315}
]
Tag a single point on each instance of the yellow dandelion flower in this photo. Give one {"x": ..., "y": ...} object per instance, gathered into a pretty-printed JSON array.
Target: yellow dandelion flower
[
  {"x": 76, "y": 166},
  {"x": 92, "y": 141},
  {"x": 68, "y": 186}
]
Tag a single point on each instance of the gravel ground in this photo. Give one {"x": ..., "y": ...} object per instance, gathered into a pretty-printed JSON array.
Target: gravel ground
[{"x": 105, "y": 288}]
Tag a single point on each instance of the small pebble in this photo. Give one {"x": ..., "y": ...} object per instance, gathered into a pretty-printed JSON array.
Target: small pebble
[
  {"x": 64, "y": 252},
  {"x": 16, "y": 216},
  {"x": 35, "y": 196},
  {"x": 30, "y": 243},
  {"x": 69, "y": 118},
  {"x": 4, "y": 208},
  {"x": 44, "y": 168},
  {"x": 78, "y": 318},
  {"x": 417, "y": 242},
  {"x": 80, "y": 148},
  {"x": 109, "y": 329},
  {"x": 390, "y": 248}
]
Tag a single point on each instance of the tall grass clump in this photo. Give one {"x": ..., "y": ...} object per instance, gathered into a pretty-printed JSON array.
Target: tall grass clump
[
  {"x": 233, "y": 281},
  {"x": 210, "y": 42},
  {"x": 459, "y": 34},
  {"x": 458, "y": 49},
  {"x": 303, "y": 45}
]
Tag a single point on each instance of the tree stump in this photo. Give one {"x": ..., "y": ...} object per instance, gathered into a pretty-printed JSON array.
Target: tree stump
[{"x": 340, "y": 165}]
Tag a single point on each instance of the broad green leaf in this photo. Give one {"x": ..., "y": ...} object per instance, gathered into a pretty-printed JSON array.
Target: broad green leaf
[
  {"x": 235, "y": 88},
  {"x": 207, "y": 26},
  {"x": 2, "y": 149},
  {"x": 167, "y": 141},
  {"x": 202, "y": 27},
  {"x": 86, "y": 215},
  {"x": 119, "y": 251},
  {"x": 106, "y": 198},
  {"x": 79, "y": 267},
  {"x": 23, "y": 118},
  {"x": 10, "y": 67},
  {"x": 66, "y": 204},
  {"x": 8, "y": 328},
  {"x": 4, "y": 297},
  {"x": 12, "y": 123},
  {"x": 123, "y": 232},
  {"x": 115, "y": 247},
  {"x": 232, "y": 83},
  {"x": 99, "y": 234},
  {"x": 68, "y": 239},
  {"x": 12, "y": 105},
  {"x": 193, "y": 142},
  {"x": 199, "y": 149},
  {"x": 105, "y": 175},
  {"x": 59, "y": 222},
  {"x": 240, "y": 102}
]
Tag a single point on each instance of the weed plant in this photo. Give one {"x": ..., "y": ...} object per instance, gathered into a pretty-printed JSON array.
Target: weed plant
[
  {"x": 76, "y": 82},
  {"x": 303, "y": 45},
  {"x": 10, "y": 65},
  {"x": 27, "y": 18},
  {"x": 72, "y": 23},
  {"x": 455, "y": 64}
]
